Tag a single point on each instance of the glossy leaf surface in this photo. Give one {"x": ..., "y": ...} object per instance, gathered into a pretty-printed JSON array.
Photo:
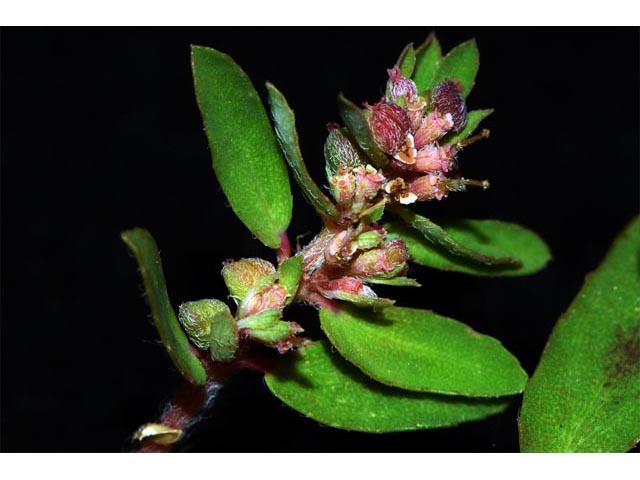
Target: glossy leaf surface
[
  {"x": 421, "y": 351},
  {"x": 246, "y": 157},
  {"x": 320, "y": 384},
  {"x": 144, "y": 248},
  {"x": 585, "y": 394}
]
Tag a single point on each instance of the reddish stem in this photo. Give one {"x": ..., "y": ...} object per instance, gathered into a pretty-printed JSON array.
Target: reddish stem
[{"x": 284, "y": 250}]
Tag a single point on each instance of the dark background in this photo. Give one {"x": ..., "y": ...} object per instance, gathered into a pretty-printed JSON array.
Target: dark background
[{"x": 101, "y": 132}]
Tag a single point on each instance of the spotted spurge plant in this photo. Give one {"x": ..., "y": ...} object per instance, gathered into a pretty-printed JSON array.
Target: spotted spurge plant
[{"x": 382, "y": 367}]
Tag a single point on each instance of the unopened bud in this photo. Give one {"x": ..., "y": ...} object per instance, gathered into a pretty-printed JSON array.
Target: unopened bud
[
  {"x": 386, "y": 262},
  {"x": 447, "y": 99},
  {"x": 400, "y": 90},
  {"x": 389, "y": 124},
  {"x": 352, "y": 290},
  {"x": 196, "y": 318},
  {"x": 340, "y": 153},
  {"x": 428, "y": 187},
  {"x": 241, "y": 275},
  {"x": 433, "y": 127},
  {"x": 432, "y": 159}
]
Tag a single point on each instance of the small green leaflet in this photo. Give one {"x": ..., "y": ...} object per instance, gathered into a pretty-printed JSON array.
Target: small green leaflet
[
  {"x": 407, "y": 61},
  {"x": 428, "y": 59},
  {"x": 246, "y": 157},
  {"x": 585, "y": 393},
  {"x": 421, "y": 351},
  {"x": 321, "y": 385}
]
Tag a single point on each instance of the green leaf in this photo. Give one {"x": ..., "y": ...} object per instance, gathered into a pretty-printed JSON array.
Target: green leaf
[
  {"x": 428, "y": 59},
  {"x": 585, "y": 394},
  {"x": 493, "y": 239},
  {"x": 246, "y": 157},
  {"x": 407, "y": 61},
  {"x": 285, "y": 125},
  {"x": 362, "y": 300},
  {"x": 321, "y": 385},
  {"x": 473, "y": 120},
  {"x": 290, "y": 273},
  {"x": 358, "y": 126},
  {"x": 462, "y": 63},
  {"x": 144, "y": 248},
  {"x": 394, "y": 282},
  {"x": 421, "y": 351},
  {"x": 428, "y": 241},
  {"x": 223, "y": 341}
]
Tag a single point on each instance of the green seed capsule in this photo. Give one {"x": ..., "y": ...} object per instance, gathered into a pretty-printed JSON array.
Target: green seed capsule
[{"x": 196, "y": 318}]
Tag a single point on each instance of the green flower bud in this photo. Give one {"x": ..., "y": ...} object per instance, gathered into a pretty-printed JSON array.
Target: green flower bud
[
  {"x": 223, "y": 341},
  {"x": 340, "y": 153},
  {"x": 240, "y": 276},
  {"x": 196, "y": 318}
]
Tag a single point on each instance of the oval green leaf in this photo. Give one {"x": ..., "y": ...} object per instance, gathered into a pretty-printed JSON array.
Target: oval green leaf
[
  {"x": 285, "y": 125},
  {"x": 485, "y": 237},
  {"x": 428, "y": 60},
  {"x": 421, "y": 351},
  {"x": 585, "y": 394},
  {"x": 144, "y": 247},
  {"x": 462, "y": 63},
  {"x": 321, "y": 385},
  {"x": 246, "y": 157}
]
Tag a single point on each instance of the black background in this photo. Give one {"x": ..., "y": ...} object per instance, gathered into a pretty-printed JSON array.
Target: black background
[{"x": 101, "y": 132}]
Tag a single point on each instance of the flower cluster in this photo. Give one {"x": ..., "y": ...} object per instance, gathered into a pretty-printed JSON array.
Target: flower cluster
[{"x": 408, "y": 128}]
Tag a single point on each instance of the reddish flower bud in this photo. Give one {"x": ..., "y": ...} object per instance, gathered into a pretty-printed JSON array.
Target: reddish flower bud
[
  {"x": 427, "y": 187},
  {"x": 386, "y": 262},
  {"x": 346, "y": 286},
  {"x": 389, "y": 124},
  {"x": 432, "y": 128},
  {"x": 400, "y": 90},
  {"x": 272, "y": 296},
  {"x": 432, "y": 159},
  {"x": 447, "y": 99},
  {"x": 241, "y": 275}
]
